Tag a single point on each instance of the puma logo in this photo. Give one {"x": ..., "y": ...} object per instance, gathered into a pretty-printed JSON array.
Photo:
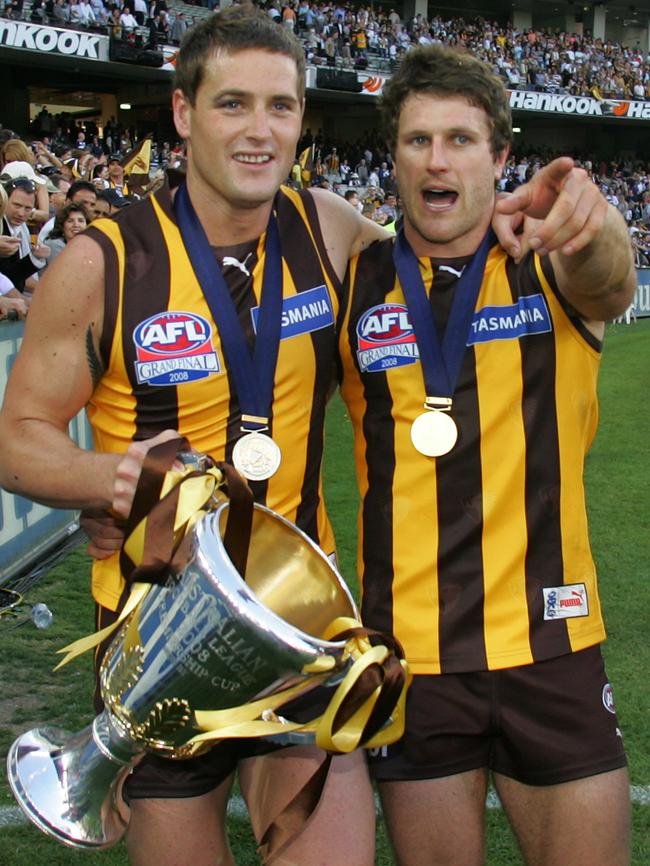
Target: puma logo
[{"x": 231, "y": 261}]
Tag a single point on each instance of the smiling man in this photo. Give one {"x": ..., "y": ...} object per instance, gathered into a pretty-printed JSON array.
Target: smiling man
[
  {"x": 121, "y": 305},
  {"x": 471, "y": 383}
]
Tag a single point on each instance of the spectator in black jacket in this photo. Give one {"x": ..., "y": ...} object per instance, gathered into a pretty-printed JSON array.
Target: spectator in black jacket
[{"x": 21, "y": 201}]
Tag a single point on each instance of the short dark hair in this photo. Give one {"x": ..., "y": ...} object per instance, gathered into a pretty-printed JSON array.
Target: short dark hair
[
  {"x": 236, "y": 28},
  {"x": 446, "y": 71},
  {"x": 24, "y": 183},
  {"x": 350, "y": 193},
  {"x": 79, "y": 185},
  {"x": 63, "y": 214}
]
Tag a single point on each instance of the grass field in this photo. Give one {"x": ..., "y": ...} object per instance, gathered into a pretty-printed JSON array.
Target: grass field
[{"x": 619, "y": 502}]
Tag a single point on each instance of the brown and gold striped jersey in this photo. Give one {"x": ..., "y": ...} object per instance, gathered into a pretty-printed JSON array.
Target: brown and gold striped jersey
[
  {"x": 164, "y": 366},
  {"x": 478, "y": 559}
]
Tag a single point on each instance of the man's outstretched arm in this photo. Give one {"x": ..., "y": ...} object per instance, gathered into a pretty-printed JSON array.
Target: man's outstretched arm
[{"x": 585, "y": 236}]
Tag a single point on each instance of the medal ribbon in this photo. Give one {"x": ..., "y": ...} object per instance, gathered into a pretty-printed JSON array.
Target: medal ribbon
[
  {"x": 441, "y": 363},
  {"x": 254, "y": 377}
]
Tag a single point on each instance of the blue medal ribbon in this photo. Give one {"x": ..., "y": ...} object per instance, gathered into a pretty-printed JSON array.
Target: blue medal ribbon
[
  {"x": 253, "y": 376},
  {"x": 441, "y": 362}
]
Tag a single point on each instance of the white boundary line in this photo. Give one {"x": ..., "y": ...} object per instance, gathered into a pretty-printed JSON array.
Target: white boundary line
[{"x": 12, "y": 816}]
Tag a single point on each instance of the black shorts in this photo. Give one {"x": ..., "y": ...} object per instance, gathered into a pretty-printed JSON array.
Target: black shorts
[
  {"x": 156, "y": 777},
  {"x": 541, "y": 724}
]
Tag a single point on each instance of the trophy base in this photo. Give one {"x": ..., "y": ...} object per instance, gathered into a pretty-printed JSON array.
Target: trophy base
[{"x": 45, "y": 770}]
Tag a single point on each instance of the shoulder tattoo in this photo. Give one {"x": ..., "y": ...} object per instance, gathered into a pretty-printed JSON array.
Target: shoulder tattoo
[{"x": 94, "y": 364}]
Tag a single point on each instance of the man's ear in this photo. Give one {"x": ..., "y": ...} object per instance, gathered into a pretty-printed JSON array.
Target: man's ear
[
  {"x": 500, "y": 160},
  {"x": 181, "y": 110}
]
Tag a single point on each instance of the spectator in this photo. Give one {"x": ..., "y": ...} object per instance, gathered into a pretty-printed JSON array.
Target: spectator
[
  {"x": 57, "y": 188},
  {"x": 37, "y": 12},
  {"x": 273, "y": 12},
  {"x": 126, "y": 20},
  {"x": 69, "y": 222},
  {"x": 19, "y": 267},
  {"x": 61, "y": 13},
  {"x": 82, "y": 192},
  {"x": 383, "y": 175},
  {"x": 352, "y": 196},
  {"x": 44, "y": 157},
  {"x": 332, "y": 164},
  {"x": 18, "y": 160},
  {"x": 178, "y": 28},
  {"x": 87, "y": 17},
  {"x": 110, "y": 202},
  {"x": 389, "y": 207},
  {"x": 362, "y": 172},
  {"x": 116, "y": 175},
  {"x": 289, "y": 17},
  {"x": 75, "y": 13},
  {"x": 140, "y": 11},
  {"x": 99, "y": 10},
  {"x": 100, "y": 176},
  {"x": 12, "y": 304}
]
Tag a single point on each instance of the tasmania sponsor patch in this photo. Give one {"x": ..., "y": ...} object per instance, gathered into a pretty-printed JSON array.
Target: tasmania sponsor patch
[
  {"x": 528, "y": 316},
  {"x": 174, "y": 348},
  {"x": 385, "y": 338},
  {"x": 563, "y": 602},
  {"x": 303, "y": 313}
]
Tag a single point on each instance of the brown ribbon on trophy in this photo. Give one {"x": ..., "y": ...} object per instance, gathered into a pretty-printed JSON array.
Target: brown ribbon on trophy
[{"x": 161, "y": 549}]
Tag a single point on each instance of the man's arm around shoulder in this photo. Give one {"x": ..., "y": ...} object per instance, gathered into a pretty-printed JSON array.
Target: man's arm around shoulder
[{"x": 345, "y": 231}]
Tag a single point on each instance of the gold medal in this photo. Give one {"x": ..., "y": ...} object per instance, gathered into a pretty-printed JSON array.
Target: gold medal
[
  {"x": 434, "y": 433},
  {"x": 256, "y": 456}
]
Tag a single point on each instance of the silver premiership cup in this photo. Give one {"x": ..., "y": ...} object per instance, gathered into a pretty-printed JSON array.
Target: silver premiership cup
[{"x": 205, "y": 641}]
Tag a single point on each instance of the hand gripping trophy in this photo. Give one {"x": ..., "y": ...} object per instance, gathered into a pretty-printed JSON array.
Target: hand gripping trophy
[{"x": 233, "y": 613}]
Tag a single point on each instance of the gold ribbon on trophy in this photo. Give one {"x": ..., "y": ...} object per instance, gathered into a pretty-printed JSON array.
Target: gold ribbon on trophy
[
  {"x": 364, "y": 670},
  {"x": 153, "y": 548}
]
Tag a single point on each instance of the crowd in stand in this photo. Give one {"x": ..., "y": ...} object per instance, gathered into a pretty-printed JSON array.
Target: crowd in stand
[
  {"x": 49, "y": 192},
  {"x": 151, "y": 20},
  {"x": 354, "y": 36},
  {"x": 525, "y": 59}
]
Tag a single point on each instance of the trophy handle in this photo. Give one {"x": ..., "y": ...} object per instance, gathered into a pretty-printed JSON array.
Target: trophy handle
[{"x": 69, "y": 785}]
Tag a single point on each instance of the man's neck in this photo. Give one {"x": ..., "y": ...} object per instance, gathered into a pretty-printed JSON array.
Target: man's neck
[
  {"x": 466, "y": 245},
  {"x": 226, "y": 224}
]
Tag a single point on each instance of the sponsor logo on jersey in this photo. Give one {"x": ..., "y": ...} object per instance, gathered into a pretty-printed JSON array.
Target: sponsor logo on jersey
[
  {"x": 174, "y": 348},
  {"x": 563, "y": 602},
  {"x": 385, "y": 339},
  {"x": 303, "y": 313},
  {"x": 608, "y": 700},
  {"x": 528, "y": 316}
]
